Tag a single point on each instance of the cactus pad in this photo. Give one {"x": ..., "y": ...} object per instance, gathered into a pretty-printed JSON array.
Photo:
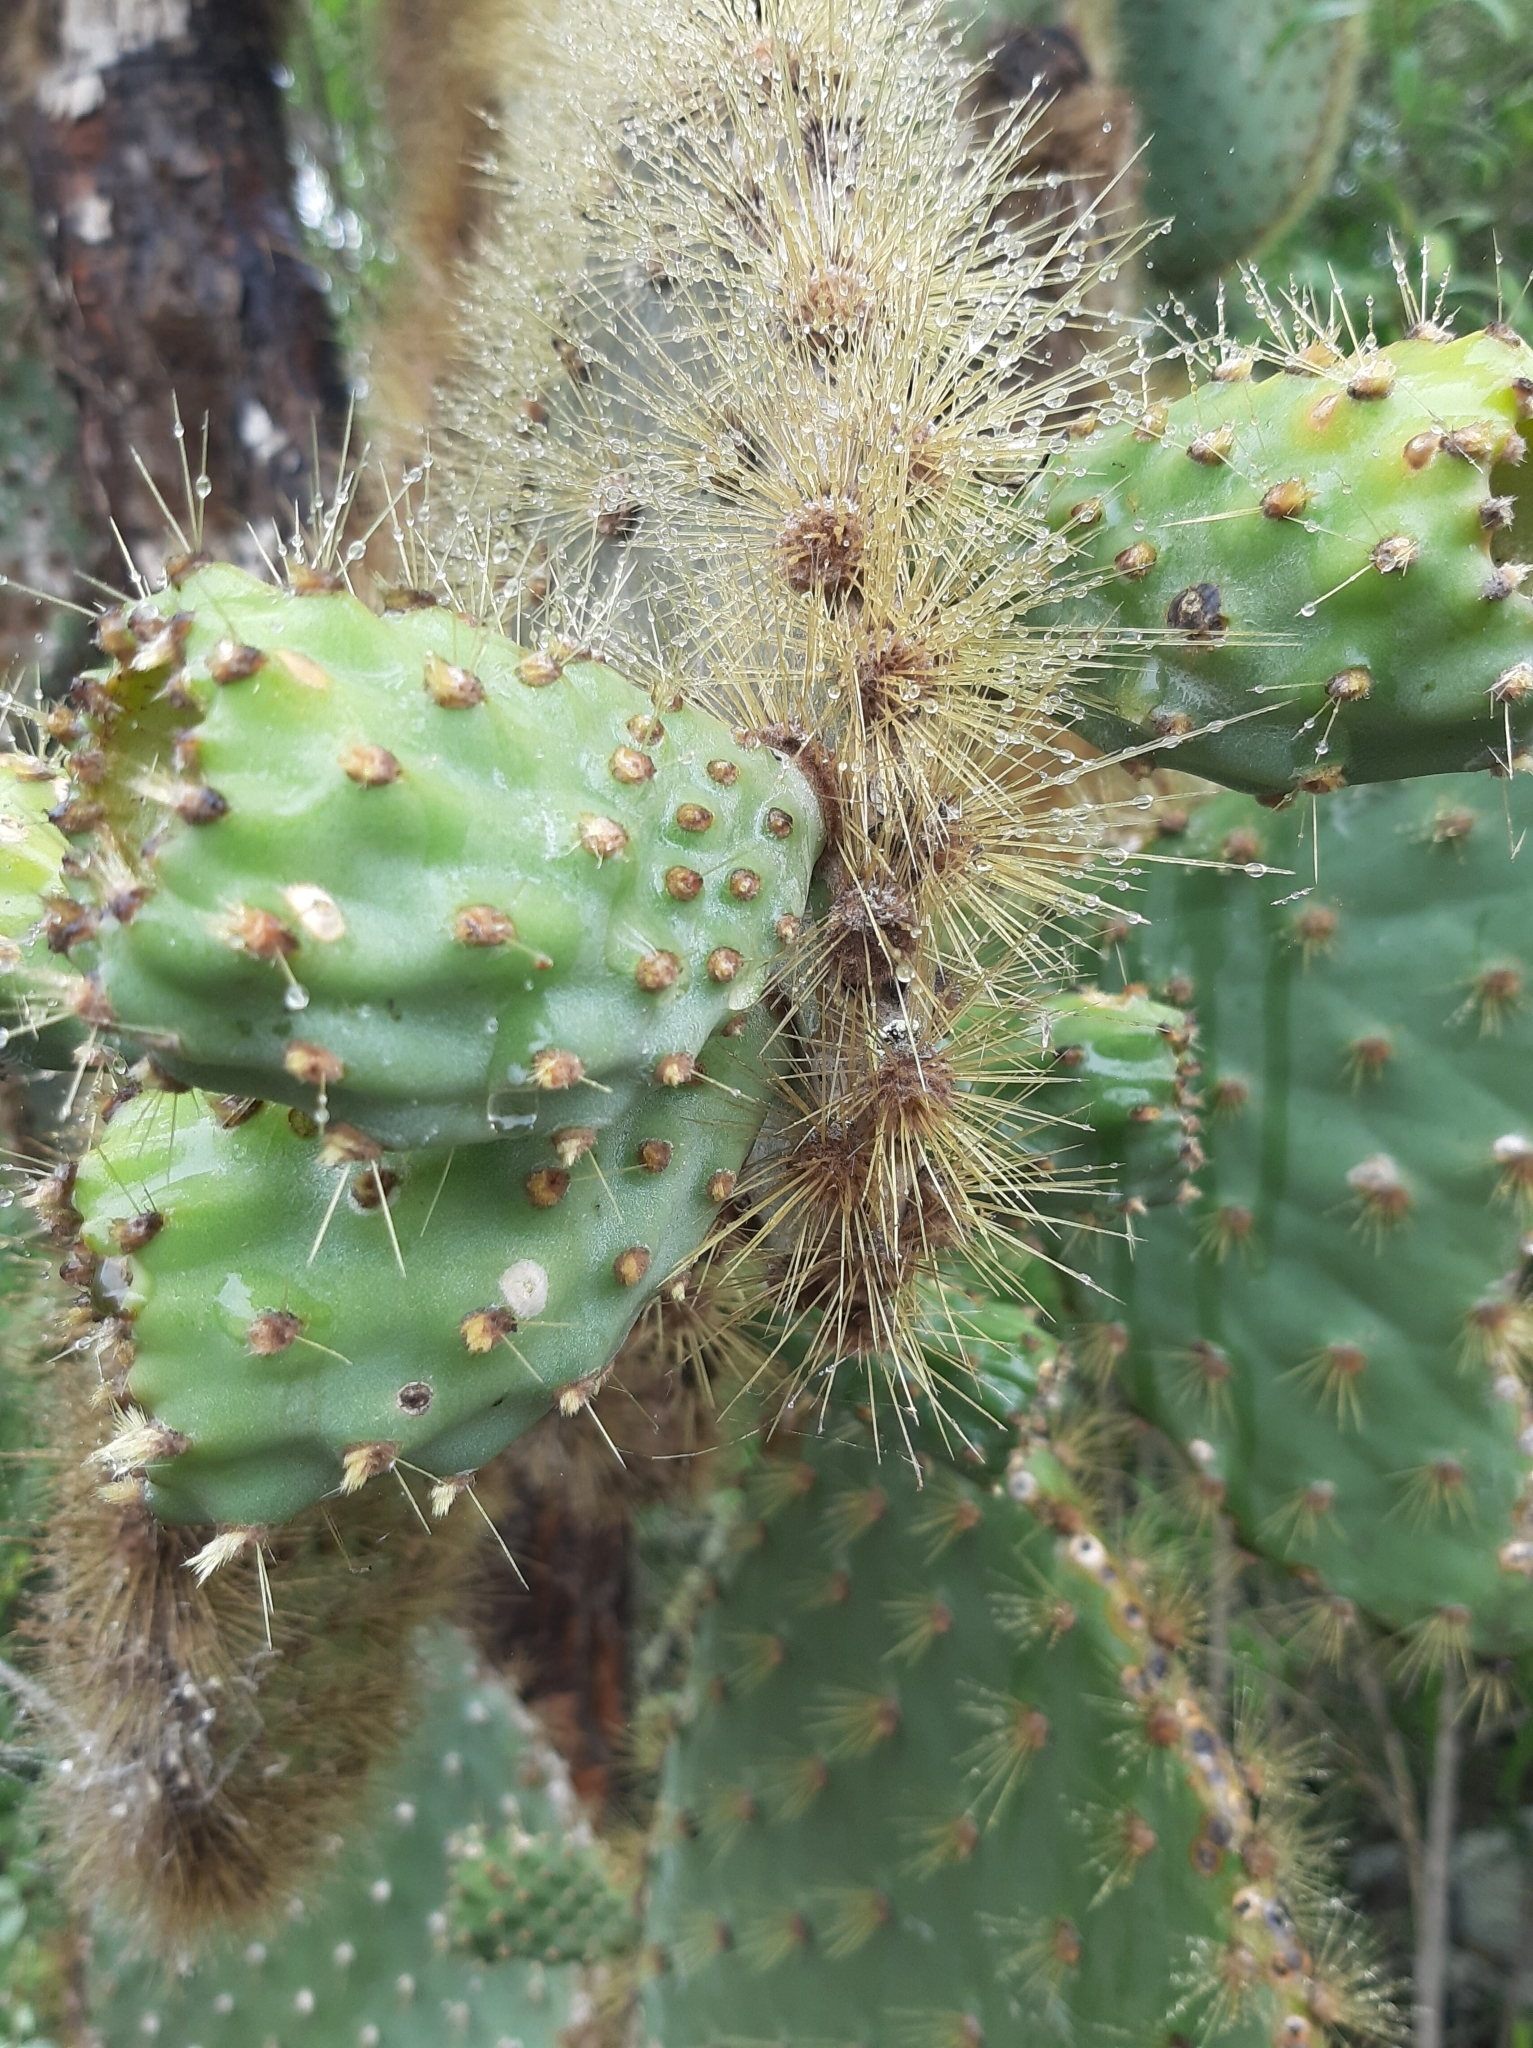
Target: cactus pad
[
  {"x": 942, "y": 1785},
  {"x": 293, "y": 1309},
  {"x": 1301, "y": 576},
  {"x": 1337, "y": 1331},
  {"x": 1123, "y": 1104},
  {"x": 398, "y": 867},
  {"x": 366, "y": 1962},
  {"x": 1243, "y": 109}
]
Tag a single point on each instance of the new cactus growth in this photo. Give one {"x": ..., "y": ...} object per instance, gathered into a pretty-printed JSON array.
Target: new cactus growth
[
  {"x": 365, "y": 1961},
  {"x": 1124, "y": 1060},
  {"x": 1302, "y": 581},
  {"x": 1336, "y": 1331},
  {"x": 404, "y": 871},
  {"x": 942, "y": 1782},
  {"x": 286, "y": 1311},
  {"x": 540, "y": 1899}
]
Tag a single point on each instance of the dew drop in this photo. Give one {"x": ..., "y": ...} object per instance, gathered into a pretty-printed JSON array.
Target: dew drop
[{"x": 295, "y": 996}]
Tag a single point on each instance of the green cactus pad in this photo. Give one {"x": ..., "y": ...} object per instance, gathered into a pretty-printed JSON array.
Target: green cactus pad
[
  {"x": 1243, "y": 106},
  {"x": 1298, "y": 580},
  {"x": 989, "y": 1357},
  {"x": 1337, "y": 1330},
  {"x": 437, "y": 1325},
  {"x": 366, "y": 1963},
  {"x": 536, "y": 1898},
  {"x": 37, "y": 986},
  {"x": 401, "y": 867},
  {"x": 942, "y": 1785},
  {"x": 989, "y": 1344},
  {"x": 1121, "y": 1058}
]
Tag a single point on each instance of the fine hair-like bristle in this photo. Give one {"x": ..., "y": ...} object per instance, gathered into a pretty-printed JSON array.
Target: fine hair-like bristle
[
  {"x": 212, "y": 1733},
  {"x": 756, "y": 387}
]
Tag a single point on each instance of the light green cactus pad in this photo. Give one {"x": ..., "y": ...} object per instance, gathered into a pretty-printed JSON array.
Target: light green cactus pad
[
  {"x": 293, "y": 1309},
  {"x": 401, "y": 867},
  {"x": 1301, "y": 577}
]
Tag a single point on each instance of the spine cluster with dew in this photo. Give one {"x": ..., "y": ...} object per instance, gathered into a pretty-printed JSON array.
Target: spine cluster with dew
[{"x": 757, "y": 391}]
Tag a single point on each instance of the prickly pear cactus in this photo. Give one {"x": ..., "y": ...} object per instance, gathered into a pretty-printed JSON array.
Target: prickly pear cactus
[
  {"x": 366, "y": 1961},
  {"x": 1338, "y": 1332},
  {"x": 942, "y": 1783},
  {"x": 1243, "y": 107},
  {"x": 1301, "y": 581},
  {"x": 285, "y": 1310},
  {"x": 401, "y": 868}
]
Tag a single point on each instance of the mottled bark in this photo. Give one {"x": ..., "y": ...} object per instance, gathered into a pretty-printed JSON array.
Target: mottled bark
[
  {"x": 154, "y": 135},
  {"x": 39, "y": 534}
]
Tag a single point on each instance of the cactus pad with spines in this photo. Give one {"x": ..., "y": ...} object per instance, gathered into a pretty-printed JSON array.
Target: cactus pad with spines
[
  {"x": 1338, "y": 1331},
  {"x": 1301, "y": 574},
  {"x": 366, "y": 1962},
  {"x": 400, "y": 867},
  {"x": 941, "y": 1784},
  {"x": 989, "y": 1355},
  {"x": 290, "y": 1306},
  {"x": 1243, "y": 108}
]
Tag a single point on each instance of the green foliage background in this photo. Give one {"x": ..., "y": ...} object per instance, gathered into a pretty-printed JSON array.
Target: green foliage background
[{"x": 1440, "y": 154}]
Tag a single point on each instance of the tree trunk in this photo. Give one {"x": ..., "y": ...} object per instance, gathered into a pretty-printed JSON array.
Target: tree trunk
[
  {"x": 40, "y": 542},
  {"x": 154, "y": 136}
]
